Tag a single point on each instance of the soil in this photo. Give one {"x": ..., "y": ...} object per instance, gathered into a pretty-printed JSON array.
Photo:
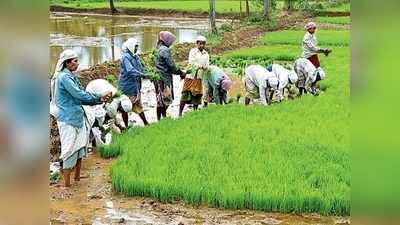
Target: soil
[{"x": 91, "y": 201}]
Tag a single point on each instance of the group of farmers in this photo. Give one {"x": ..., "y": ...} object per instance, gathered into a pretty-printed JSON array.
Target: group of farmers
[{"x": 81, "y": 113}]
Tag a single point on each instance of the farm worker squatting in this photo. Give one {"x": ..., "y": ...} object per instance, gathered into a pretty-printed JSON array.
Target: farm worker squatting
[
  {"x": 71, "y": 120},
  {"x": 259, "y": 83},
  {"x": 286, "y": 77},
  {"x": 165, "y": 67},
  {"x": 192, "y": 91},
  {"x": 310, "y": 45},
  {"x": 216, "y": 85},
  {"x": 130, "y": 78},
  {"x": 309, "y": 75}
]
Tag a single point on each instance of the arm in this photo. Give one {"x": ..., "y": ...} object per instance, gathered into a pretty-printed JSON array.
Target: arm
[
  {"x": 85, "y": 97},
  {"x": 170, "y": 62},
  {"x": 131, "y": 68},
  {"x": 263, "y": 95},
  {"x": 311, "y": 45}
]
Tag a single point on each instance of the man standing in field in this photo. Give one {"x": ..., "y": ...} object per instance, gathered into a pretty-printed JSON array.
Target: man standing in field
[
  {"x": 310, "y": 45},
  {"x": 259, "y": 84}
]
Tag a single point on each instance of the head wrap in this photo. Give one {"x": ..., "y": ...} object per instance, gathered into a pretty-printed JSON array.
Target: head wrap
[
  {"x": 293, "y": 77},
  {"x": 310, "y": 25},
  {"x": 126, "y": 103},
  {"x": 167, "y": 37},
  {"x": 113, "y": 107},
  {"x": 129, "y": 45},
  {"x": 273, "y": 82},
  {"x": 226, "y": 83},
  {"x": 64, "y": 56},
  {"x": 321, "y": 73},
  {"x": 201, "y": 38}
]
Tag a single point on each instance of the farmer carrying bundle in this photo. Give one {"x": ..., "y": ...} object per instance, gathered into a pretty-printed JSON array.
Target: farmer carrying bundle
[
  {"x": 309, "y": 75},
  {"x": 71, "y": 119},
  {"x": 310, "y": 45},
  {"x": 130, "y": 78},
  {"x": 260, "y": 84},
  {"x": 192, "y": 91},
  {"x": 166, "y": 67},
  {"x": 286, "y": 78},
  {"x": 216, "y": 85}
]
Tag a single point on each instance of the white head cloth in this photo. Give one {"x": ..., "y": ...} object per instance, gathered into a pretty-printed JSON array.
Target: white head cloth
[
  {"x": 201, "y": 38},
  {"x": 129, "y": 45},
  {"x": 64, "y": 56}
]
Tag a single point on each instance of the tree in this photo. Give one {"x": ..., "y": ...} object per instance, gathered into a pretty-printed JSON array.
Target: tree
[
  {"x": 288, "y": 5},
  {"x": 267, "y": 9},
  {"x": 247, "y": 8},
  {"x": 112, "y": 7},
  {"x": 212, "y": 17}
]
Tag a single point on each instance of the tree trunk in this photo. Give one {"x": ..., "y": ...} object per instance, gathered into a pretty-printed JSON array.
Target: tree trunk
[
  {"x": 112, "y": 7},
  {"x": 247, "y": 8},
  {"x": 240, "y": 8},
  {"x": 288, "y": 5},
  {"x": 267, "y": 9},
  {"x": 212, "y": 17}
]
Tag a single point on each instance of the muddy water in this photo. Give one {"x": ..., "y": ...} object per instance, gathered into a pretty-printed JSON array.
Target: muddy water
[
  {"x": 91, "y": 201},
  {"x": 99, "y": 38}
]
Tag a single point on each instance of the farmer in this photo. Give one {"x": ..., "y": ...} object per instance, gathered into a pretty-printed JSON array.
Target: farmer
[
  {"x": 72, "y": 122},
  {"x": 259, "y": 83},
  {"x": 101, "y": 114},
  {"x": 166, "y": 67},
  {"x": 192, "y": 91},
  {"x": 130, "y": 78},
  {"x": 216, "y": 85},
  {"x": 310, "y": 45},
  {"x": 286, "y": 77},
  {"x": 308, "y": 75}
]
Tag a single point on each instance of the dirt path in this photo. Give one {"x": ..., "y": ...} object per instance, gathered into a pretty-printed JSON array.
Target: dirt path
[{"x": 91, "y": 201}]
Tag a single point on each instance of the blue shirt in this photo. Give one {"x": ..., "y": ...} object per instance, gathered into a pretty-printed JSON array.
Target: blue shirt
[
  {"x": 131, "y": 72},
  {"x": 70, "y": 97},
  {"x": 165, "y": 64}
]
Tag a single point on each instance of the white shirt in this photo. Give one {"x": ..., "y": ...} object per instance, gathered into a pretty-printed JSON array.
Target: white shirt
[
  {"x": 198, "y": 59},
  {"x": 310, "y": 45},
  {"x": 259, "y": 75}
]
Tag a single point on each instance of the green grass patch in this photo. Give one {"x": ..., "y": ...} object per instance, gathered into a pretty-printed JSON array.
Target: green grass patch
[
  {"x": 222, "y": 6},
  {"x": 344, "y": 7},
  {"x": 345, "y": 20},
  {"x": 290, "y": 157},
  {"x": 295, "y": 37},
  {"x": 275, "y": 52}
]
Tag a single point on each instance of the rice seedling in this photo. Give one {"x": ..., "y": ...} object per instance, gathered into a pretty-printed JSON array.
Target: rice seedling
[{"x": 290, "y": 157}]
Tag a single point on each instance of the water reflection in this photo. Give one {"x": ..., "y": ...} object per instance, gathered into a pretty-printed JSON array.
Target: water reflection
[{"x": 97, "y": 39}]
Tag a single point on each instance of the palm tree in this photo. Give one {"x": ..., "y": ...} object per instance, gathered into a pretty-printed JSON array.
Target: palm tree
[
  {"x": 212, "y": 17},
  {"x": 267, "y": 9}
]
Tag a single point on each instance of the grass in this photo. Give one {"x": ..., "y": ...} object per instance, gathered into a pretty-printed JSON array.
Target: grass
[
  {"x": 291, "y": 157},
  {"x": 345, "y": 7},
  {"x": 275, "y": 52},
  {"x": 335, "y": 20},
  {"x": 295, "y": 37},
  {"x": 222, "y": 6}
]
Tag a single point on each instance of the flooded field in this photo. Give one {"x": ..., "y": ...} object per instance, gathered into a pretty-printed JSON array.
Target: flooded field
[{"x": 99, "y": 38}]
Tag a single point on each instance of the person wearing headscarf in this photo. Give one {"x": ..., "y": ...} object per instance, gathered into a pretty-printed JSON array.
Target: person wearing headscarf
[
  {"x": 308, "y": 76},
  {"x": 71, "y": 119},
  {"x": 216, "y": 84},
  {"x": 310, "y": 45},
  {"x": 193, "y": 91},
  {"x": 103, "y": 113},
  {"x": 260, "y": 84},
  {"x": 286, "y": 77},
  {"x": 166, "y": 67},
  {"x": 130, "y": 78}
]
